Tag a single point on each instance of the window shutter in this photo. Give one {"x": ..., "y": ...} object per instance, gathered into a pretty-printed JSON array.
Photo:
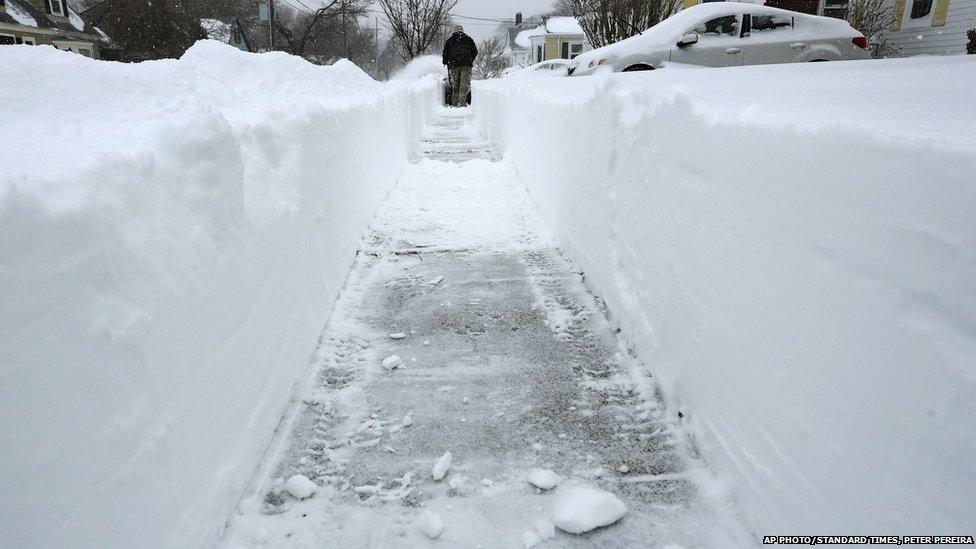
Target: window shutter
[
  {"x": 899, "y": 14},
  {"x": 941, "y": 13},
  {"x": 47, "y": 6}
]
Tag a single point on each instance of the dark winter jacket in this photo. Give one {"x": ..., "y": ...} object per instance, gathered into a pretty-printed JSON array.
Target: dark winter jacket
[{"x": 459, "y": 50}]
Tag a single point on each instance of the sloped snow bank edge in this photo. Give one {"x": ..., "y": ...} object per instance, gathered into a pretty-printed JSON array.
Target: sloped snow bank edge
[
  {"x": 153, "y": 328},
  {"x": 804, "y": 295}
]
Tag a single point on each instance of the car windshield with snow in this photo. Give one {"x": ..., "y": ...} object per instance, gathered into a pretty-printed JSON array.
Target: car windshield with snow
[{"x": 727, "y": 35}]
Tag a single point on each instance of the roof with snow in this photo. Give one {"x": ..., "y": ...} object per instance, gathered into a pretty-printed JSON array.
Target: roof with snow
[
  {"x": 22, "y": 12},
  {"x": 563, "y": 25},
  {"x": 523, "y": 39}
]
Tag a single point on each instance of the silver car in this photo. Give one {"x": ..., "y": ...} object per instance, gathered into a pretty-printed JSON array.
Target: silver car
[{"x": 726, "y": 34}]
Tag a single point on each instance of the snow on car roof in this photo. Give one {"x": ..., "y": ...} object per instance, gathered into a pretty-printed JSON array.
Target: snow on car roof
[
  {"x": 523, "y": 39},
  {"x": 563, "y": 25}
]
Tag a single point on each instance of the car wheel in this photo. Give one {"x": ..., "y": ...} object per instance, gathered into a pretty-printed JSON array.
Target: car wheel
[{"x": 639, "y": 67}]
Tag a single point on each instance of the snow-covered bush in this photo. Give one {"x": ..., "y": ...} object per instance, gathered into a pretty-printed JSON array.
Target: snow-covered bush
[
  {"x": 174, "y": 235},
  {"x": 794, "y": 255}
]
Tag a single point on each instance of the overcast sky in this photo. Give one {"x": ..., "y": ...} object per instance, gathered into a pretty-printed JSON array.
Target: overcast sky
[{"x": 497, "y": 9}]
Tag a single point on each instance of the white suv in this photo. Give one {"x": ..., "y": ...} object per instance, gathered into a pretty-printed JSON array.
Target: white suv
[{"x": 726, "y": 34}]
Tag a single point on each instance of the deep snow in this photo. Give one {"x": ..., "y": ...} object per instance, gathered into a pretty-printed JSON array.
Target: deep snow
[
  {"x": 508, "y": 366},
  {"x": 174, "y": 236},
  {"x": 792, "y": 249}
]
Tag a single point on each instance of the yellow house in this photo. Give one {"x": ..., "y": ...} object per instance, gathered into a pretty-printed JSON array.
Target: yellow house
[{"x": 562, "y": 38}]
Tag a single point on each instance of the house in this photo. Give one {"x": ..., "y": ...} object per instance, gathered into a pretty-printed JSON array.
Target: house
[
  {"x": 48, "y": 22},
  {"x": 516, "y": 37},
  {"x": 228, "y": 30},
  {"x": 520, "y": 50},
  {"x": 141, "y": 30},
  {"x": 559, "y": 38},
  {"x": 930, "y": 27}
]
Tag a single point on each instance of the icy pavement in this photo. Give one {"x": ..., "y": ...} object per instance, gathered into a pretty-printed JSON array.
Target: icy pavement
[{"x": 504, "y": 361}]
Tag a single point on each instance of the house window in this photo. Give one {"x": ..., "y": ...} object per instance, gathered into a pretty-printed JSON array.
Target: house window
[
  {"x": 56, "y": 7},
  {"x": 564, "y": 52},
  {"x": 921, "y": 8},
  {"x": 85, "y": 51},
  {"x": 7, "y": 40},
  {"x": 28, "y": 41}
]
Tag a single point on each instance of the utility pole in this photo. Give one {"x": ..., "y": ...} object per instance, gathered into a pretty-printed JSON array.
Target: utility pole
[{"x": 271, "y": 16}]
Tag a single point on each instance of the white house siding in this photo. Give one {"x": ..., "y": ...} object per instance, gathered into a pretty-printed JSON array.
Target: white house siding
[{"x": 924, "y": 39}]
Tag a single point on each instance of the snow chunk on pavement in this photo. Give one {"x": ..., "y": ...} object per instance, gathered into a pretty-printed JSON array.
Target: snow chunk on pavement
[
  {"x": 530, "y": 539},
  {"x": 392, "y": 362},
  {"x": 260, "y": 536},
  {"x": 442, "y": 465},
  {"x": 398, "y": 335},
  {"x": 584, "y": 508},
  {"x": 300, "y": 487},
  {"x": 407, "y": 420},
  {"x": 543, "y": 479},
  {"x": 436, "y": 281},
  {"x": 431, "y": 524},
  {"x": 545, "y": 528}
]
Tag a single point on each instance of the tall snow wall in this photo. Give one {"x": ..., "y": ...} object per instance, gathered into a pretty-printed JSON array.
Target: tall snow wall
[
  {"x": 792, "y": 249},
  {"x": 174, "y": 236}
]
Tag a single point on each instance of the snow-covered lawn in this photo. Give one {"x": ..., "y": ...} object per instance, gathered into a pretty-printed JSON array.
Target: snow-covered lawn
[
  {"x": 174, "y": 235},
  {"x": 792, "y": 248}
]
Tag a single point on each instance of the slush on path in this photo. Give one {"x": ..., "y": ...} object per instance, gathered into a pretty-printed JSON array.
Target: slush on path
[{"x": 469, "y": 391}]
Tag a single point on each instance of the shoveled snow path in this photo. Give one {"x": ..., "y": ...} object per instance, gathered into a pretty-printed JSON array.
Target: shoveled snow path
[{"x": 508, "y": 363}]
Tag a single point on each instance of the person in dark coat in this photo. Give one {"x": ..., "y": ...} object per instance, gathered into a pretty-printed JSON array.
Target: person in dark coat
[{"x": 460, "y": 52}]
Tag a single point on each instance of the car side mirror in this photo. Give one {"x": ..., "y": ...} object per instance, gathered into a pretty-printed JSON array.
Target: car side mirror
[{"x": 688, "y": 39}]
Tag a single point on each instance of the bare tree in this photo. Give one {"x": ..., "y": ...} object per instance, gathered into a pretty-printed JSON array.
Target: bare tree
[
  {"x": 416, "y": 23},
  {"x": 609, "y": 21},
  {"x": 560, "y": 8},
  {"x": 491, "y": 59},
  {"x": 301, "y": 30},
  {"x": 872, "y": 18}
]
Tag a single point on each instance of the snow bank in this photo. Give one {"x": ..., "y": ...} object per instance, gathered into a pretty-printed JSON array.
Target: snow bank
[
  {"x": 174, "y": 235},
  {"x": 793, "y": 250}
]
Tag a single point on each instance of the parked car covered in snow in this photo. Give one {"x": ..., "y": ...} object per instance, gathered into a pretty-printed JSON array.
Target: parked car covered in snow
[
  {"x": 729, "y": 34},
  {"x": 552, "y": 67}
]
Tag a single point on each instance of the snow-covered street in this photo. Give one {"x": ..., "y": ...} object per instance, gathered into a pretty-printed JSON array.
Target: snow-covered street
[{"x": 504, "y": 360}]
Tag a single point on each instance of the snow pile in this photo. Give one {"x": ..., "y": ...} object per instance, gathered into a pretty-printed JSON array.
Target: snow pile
[
  {"x": 174, "y": 235},
  {"x": 431, "y": 524},
  {"x": 793, "y": 250},
  {"x": 583, "y": 508},
  {"x": 543, "y": 479},
  {"x": 300, "y": 487},
  {"x": 441, "y": 466}
]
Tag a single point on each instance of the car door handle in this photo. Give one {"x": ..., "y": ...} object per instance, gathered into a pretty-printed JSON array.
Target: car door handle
[
  {"x": 798, "y": 45},
  {"x": 733, "y": 51}
]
